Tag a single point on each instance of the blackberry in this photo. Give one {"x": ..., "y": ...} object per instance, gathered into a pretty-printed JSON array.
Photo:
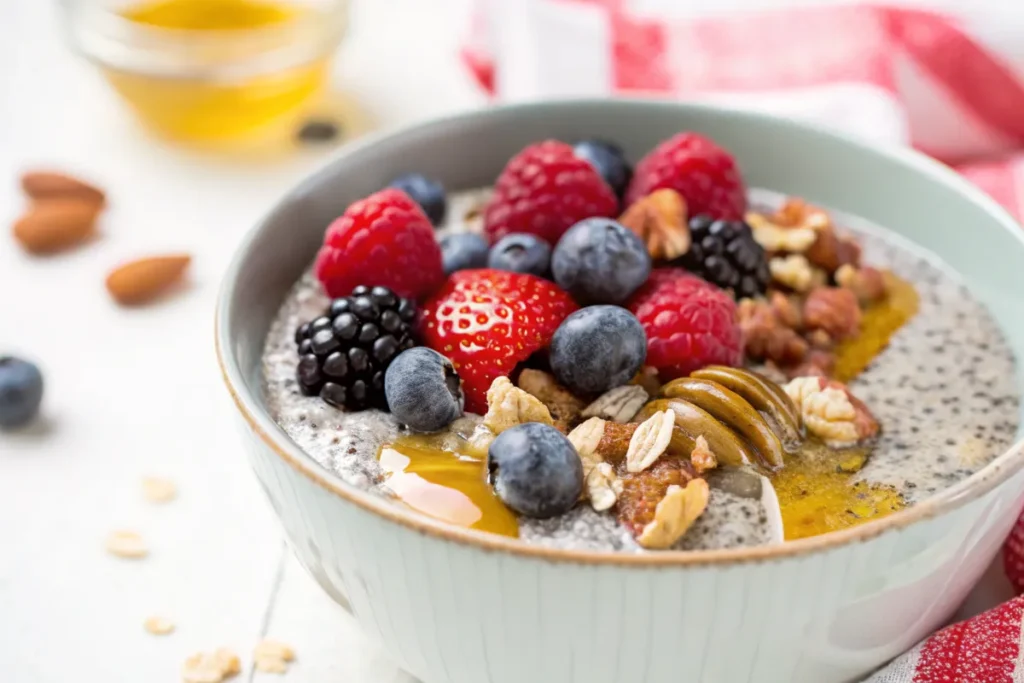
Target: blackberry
[
  {"x": 725, "y": 253},
  {"x": 344, "y": 353}
]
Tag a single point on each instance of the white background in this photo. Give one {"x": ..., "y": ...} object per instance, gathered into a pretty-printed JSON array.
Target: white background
[{"x": 136, "y": 393}]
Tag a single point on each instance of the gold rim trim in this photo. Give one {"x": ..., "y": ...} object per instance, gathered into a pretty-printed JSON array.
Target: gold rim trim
[{"x": 972, "y": 488}]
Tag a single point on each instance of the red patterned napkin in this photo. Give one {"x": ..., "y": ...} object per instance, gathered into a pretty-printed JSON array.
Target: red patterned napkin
[{"x": 952, "y": 86}]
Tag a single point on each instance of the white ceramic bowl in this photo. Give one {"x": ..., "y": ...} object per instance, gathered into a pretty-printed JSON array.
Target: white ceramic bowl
[{"x": 459, "y": 606}]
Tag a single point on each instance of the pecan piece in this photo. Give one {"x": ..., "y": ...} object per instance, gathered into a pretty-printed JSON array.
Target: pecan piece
[
  {"x": 660, "y": 220},
  {"x": 834, "y": 310},
  {"x": 561, "y": 403},
  {"x": 868, "y": 284},
  {"x": 766, "y": 337}
]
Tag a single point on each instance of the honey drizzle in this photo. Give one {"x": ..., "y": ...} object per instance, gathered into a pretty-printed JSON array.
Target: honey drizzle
[
  {"x": 445, "y": 484},
  {"x": 818, "y": 490}
]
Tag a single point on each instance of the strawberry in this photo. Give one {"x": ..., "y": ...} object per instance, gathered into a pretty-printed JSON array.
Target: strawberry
[
  {"x": 488, "y": 321},
  {"x": 383, "y": 240},
  {"x": 698, "y": 169},
  {"x": 545, "y": 190},
  {"x": 689, "y": 323}
]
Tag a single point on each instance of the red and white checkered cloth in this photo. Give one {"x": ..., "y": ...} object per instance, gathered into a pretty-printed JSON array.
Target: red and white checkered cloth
[{"x": 952, "y": 86}]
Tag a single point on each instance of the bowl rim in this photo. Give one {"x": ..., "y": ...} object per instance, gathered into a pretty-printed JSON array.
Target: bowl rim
[{"x": 261, "y": 423}]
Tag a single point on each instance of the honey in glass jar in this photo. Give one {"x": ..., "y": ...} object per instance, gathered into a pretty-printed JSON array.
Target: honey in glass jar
[{"x": 212, "y": 70}]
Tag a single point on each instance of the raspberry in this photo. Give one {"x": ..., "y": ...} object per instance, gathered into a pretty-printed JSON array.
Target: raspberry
[
  {"x": 383, "y": 240},
  {"x": 544, "y": 190},
  {"x": 488, "y": 321},
  {"x": 642, "y": 491},
  {"x": 689, "y": 323},
  {"x": 698, "y": 169}
]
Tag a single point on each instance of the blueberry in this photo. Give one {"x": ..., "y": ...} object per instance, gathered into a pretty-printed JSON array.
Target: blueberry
[
  {"x": 535, "y": 470},
  {"x": 609, "y": 161},
  {"x": 463, "y": 251},
  {"x": 598, "y": 348},
  {"x": 429, "y": 194},
  {"x": 521, "y": 253},
  {"x": 21, "y": 391},
  {"x": 423, "y": 390},
  {"x": 600, "y": 261}
]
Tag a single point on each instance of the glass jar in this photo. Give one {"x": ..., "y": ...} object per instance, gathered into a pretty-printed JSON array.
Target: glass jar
[{"x": 211, "y": 70}]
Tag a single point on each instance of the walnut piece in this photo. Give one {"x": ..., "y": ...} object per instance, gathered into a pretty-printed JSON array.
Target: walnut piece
[
  {"x": 508, "y": 406},
  {"x": 792, "y": 271},
  {"x": 766, "y": 337},
  {"x": 620, "y": 404},
  {"x": 675, "y": 514},
  {"x": 702, "y": 457},
  {"x": 834, "y": 310},
  {"x": 207, "y": 667},
  {"x": 867, "y": 284},
  {"x": 777, "y": 238},
  {"x": 831, "y": 412},
  {"x": 831, "y": 251},
  {"x": 649, "y": 441},
  {"x": 660, "y": 220},
  {"x": 601, "y": 485},
  {"x": 563, "y": 406}
]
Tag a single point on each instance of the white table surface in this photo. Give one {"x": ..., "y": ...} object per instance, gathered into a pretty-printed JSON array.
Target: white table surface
[{"x": 137, "y": 393}]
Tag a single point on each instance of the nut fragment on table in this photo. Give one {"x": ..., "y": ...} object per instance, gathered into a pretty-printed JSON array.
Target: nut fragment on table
[
  {"x": 158, "y": 626},
  {"x": 649, "y": 441},
  {"x": 210, "y": 667},
  {"x": 792, "y": 271},
  {"x": 831, "y": 412},
  {"x": 675, "y": 514},
  {"x": 127, "y": 544},
  {"x": 620, "y": 404},
  {"x": 508, "y": 406},
  {"x": 159, "y": 490},
  {"x": 660, "y": 220},
  {"x": 271, "y": 656},
  {"x": 834, "y": 310}
]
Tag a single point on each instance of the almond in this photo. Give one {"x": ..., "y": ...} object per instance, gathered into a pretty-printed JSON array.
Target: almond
[
  {"x": 46, "y": 185},
  {"x": 140, "y": 281},
  {"x": 56, "y": 224}
]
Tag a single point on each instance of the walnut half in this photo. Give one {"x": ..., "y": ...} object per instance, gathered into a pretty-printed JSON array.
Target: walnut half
[
  {"x": 660, "y": 220},
  {"x": 831, "y": 412}
]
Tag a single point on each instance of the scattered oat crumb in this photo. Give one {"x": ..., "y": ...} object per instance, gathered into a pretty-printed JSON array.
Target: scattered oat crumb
[
  {"x": 271, "y": 656},
  {"x": 127, "y": 544},
  {"x": 206, "y": 667},
  {"x": 158, "y": 490},
  {"x": 159, "y": 626}
]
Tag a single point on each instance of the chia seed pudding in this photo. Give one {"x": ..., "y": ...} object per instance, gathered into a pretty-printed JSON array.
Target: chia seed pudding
[{"x": 943, "y": 390}]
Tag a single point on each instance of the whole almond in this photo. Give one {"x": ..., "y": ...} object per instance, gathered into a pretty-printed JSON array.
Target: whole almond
[
  {"x": 45, "y": 185},
  {"x": 56, "y": 224},
  {"x": 140, "y": 281}
]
